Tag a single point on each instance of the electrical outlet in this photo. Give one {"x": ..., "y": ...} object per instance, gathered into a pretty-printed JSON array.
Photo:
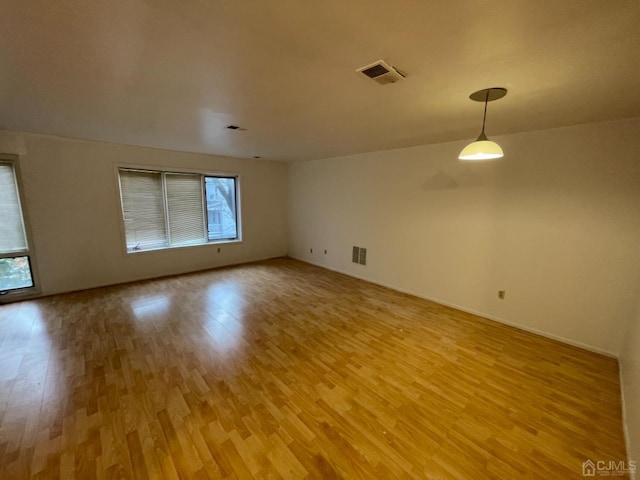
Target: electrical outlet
[
  {"x": 501, "y": 294},
  {"x": 325, "y": 252},
  {"x": 311, "y": 250}
]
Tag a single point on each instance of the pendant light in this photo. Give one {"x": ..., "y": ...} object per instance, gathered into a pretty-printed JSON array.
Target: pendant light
[{"x": 483, "y": 148}]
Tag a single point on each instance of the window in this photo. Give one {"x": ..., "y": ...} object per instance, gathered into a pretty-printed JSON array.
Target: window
[
  {"x": 15, "y": 263},
  {"x": 221, "y": 207},
  {"x": 172, "y": 209}
]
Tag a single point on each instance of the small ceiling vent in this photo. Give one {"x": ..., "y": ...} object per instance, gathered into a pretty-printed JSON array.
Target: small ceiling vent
[{"x": 382, "y": 72}]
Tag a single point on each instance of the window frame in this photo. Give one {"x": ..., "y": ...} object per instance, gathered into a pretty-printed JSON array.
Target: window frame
[
  {"x": 236, "y": 202},
  {"x": 185, "y": 171},
  {"x": 29, "y": 252}
]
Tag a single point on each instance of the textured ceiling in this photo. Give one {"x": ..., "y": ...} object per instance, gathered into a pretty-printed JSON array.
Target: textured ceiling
[{"x": 172, "y": 74}]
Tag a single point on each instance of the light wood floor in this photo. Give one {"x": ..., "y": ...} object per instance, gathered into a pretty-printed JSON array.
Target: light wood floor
[{"x": 283, "y": 370}]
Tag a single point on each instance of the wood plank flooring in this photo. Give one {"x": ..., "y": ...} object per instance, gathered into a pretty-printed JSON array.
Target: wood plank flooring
[{"x": 284, "y": 370}]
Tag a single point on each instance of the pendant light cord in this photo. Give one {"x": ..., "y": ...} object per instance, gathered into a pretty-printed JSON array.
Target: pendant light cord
[{"x": 484, "y": 118}]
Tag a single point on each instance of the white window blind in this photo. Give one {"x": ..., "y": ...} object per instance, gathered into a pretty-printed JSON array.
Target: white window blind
[
  {"x": 185, "y": 208},
  {"x": 12, "y": 233},
  {"x": 143, "y": 209}
]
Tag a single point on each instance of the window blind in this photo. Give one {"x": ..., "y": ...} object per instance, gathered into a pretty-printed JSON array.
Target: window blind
[
  {"x": 185, "y": 209},
  {"x": 173, "y": 209},
  {"x": 12, "y": 234},
  {"x": 143, "y": 209}
]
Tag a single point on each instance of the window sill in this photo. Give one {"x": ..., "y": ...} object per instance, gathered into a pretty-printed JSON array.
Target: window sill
[
  {"x": 19, "y": 294},
  {"x": 212, "y": 243}
]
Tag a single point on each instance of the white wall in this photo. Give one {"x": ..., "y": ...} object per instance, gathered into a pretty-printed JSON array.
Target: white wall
[
  {"x": 630, "y": 374},
  {"x": 556, "y": 223},
  {"x": 73, "y": 208}
]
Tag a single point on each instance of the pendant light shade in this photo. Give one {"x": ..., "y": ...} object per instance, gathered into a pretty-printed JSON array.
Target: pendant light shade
[{"x": 483, "y": 148}]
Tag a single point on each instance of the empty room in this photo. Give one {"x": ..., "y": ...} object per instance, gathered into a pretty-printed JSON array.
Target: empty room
[{"x": 319, "y": 240}]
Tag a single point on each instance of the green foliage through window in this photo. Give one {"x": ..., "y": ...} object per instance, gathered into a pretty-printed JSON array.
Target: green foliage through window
[{"x": 15, "y": 273}]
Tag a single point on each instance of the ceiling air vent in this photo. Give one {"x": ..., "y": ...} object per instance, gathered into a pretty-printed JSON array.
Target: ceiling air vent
[{"x": 381, "y": 72}]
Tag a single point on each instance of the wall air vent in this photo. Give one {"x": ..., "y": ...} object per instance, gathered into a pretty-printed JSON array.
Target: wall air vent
[
  {"x": 382, "y": 72},
  {"x": 359, "y": 255}
]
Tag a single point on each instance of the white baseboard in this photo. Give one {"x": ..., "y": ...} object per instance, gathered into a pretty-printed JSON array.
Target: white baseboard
[
  {"x": 519, "y": 326},
  {"x": 72, "y": 289},
  {"x": 625, "y": 430}
]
